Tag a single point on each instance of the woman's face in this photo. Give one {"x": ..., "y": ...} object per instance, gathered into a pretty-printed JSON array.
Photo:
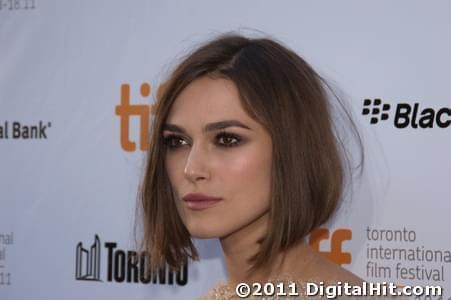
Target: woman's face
[{"x": 214, "y": 148}]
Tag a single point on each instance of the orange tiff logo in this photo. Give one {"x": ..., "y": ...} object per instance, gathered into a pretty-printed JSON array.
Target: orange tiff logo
[
  {"x": 336, "y": 240},
  {"x": 125, "y": 111}
]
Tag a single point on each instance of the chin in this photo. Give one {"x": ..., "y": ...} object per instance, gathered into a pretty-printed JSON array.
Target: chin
[{"x": 203, "y": 232}]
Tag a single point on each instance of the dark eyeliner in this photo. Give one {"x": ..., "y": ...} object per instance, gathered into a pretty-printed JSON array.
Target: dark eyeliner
[
  {"x": 224, "y": 134},
  {"x": 168, "y": 139}
]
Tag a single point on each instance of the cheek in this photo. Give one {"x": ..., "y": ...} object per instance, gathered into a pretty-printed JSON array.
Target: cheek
[
  {"x": 174, "y": 164},
  {"x": 248, "y": 174},
  {"x": 247, "y": 165},
  {"x": 174, "y": 168}
]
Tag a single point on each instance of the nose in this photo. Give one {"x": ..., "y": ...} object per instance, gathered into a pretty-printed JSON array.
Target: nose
[{"x": 196, "y": 165}]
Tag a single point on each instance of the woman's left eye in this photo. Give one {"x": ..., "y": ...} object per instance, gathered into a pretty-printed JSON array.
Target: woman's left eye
[{"x": 228, "y": 140}]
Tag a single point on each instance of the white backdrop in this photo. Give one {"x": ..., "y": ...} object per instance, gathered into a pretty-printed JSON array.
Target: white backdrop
[{"x": 68, "y": 188}]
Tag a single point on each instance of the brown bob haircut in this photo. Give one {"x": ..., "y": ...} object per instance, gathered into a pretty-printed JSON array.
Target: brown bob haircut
[{"x": 283, "y": 93}]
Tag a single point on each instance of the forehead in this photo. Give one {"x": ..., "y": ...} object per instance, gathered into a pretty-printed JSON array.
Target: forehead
[{"x": 207, "y": 100}]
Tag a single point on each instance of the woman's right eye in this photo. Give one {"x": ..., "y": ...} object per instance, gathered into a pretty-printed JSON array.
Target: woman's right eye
[{"x": 174, "y": 141}]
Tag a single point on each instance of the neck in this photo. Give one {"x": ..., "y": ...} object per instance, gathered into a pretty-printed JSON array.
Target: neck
[{"x": 239, "y": 246}]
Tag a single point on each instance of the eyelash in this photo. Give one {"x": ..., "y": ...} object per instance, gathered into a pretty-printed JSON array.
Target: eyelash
[{"x": 167, "y": 140}]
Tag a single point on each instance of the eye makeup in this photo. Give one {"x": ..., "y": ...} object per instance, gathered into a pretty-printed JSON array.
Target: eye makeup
[{"x": 222, "y": 139}]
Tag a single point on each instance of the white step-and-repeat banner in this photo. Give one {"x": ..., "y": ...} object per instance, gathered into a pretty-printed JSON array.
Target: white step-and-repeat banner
[{"x": 70, "y": 166}]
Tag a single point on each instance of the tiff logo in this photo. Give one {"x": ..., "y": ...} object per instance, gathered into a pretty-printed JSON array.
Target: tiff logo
[
  {"x": 125, "y": 111},
  {"x": 335, "y": 253},
  {"x": 87, "y": 262}
]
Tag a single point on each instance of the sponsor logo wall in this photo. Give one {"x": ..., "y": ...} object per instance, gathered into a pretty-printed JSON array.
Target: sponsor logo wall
[{"x": 77, "y": 83}]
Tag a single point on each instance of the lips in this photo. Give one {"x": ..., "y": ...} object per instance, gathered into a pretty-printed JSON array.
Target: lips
[{"x": 197, "y": 201}]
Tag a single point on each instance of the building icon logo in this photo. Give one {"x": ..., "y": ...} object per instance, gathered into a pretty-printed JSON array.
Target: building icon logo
[
  {"x": 122, "y": 266},
  {"x": 87, "y": 262},
  {"x": 378, "y": 109}
]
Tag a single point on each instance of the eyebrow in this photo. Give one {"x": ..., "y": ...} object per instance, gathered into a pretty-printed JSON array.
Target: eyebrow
[{"x": 209, "y": 127}]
